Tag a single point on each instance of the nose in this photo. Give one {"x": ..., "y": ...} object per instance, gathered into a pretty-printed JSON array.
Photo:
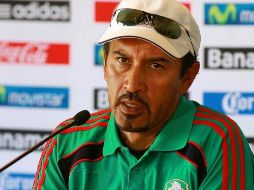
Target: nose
[{"x": 135, "y": 80}]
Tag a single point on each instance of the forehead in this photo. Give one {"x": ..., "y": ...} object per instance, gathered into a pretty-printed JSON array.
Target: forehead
[{"x": 136, "y": 45}]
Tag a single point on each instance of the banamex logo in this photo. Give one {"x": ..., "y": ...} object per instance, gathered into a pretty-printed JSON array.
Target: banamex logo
[{"x": 229, "y": 58}]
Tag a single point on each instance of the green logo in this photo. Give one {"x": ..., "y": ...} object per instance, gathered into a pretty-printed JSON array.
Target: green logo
[
  {"x": 222, "y": 14},
  {"x": 99, "y": 55},
  {"x": 177, "y": 184},
  {"x": 2, "y": 95}
]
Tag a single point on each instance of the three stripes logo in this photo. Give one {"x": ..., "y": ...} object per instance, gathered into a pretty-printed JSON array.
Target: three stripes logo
[{"x": 5, "y": 10}]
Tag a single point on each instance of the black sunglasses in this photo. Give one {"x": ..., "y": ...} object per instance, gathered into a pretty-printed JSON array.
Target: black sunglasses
[{"x": 163, "y": 25}]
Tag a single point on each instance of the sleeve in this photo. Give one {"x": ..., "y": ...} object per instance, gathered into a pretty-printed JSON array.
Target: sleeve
[
  {"x": 48, "y": 175},
  {"x": 233, "y": 164}
]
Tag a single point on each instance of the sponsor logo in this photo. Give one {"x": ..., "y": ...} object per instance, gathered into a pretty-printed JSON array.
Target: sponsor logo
[
  {"x": 104, "y": 10},
  {"x": 21, "y": 139},
  {"x": 229, "y": 14},
  {"x": 230, "y": 102},
  {"x": 34, "y": 53},
  {"x": 35, "y": 10},
  {"x": 188, "y": 5},
  {"x": 2, "y": 94},
  {"x": 177, "y": 184},
  {"x": 101, "y": 98},
  {"x": 251, "y": 143},
  {"x": 98, "y": 55},
  {"x": 39, "y": 97},
  {"x": 229, "y": 58},
  {"x": 17, "y": 181}
]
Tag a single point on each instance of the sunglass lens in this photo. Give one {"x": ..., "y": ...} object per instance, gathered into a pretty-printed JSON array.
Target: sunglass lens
[
  {"x": 167, "y": 27},
  {"x": 130, "y": 17}
]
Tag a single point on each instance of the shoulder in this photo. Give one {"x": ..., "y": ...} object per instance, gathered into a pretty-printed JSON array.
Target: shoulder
[
  {"x": 93, "y": 131},
  {"x": 214, "y": 122},
  {"x": 97, "y": 119},
  {"x": 214, "y": 127},
  {"x": 216, "y": 133},
  {"x": 222, "y": 143}
]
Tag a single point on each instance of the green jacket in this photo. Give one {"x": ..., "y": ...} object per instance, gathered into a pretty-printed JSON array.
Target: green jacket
[{"x": 198, "y": 148}]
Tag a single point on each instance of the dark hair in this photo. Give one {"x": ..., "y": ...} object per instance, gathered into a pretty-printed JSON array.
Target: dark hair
[{"x": 187, "y": 60}]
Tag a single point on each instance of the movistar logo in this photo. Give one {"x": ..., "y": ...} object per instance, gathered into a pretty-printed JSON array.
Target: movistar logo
[
  {"x": 99, "y": 58},
  {"x": 2, "y": 95},
  {"x": 229, "y": 14},
  {"x": 41, "y": 97},
  {"x": 216, "y": 15}
]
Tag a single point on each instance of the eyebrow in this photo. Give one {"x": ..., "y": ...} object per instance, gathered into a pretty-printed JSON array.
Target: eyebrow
[
  {"x": 159, "y": 59},
  {"x": 152, "y": 59},
  {"x": 119, "y": 53}
]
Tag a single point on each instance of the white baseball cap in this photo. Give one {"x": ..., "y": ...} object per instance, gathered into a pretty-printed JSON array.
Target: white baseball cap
[{"x": 188, "y": 41}]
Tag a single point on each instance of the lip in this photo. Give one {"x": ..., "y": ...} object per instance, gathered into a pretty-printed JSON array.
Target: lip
[{"x": 133, "y": 108}]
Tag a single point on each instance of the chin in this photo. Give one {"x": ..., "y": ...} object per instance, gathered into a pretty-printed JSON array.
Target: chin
[{"x": 129, "y": 126}]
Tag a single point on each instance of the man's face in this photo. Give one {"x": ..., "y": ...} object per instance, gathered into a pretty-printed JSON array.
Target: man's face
[{"x": 144, "y": 84}]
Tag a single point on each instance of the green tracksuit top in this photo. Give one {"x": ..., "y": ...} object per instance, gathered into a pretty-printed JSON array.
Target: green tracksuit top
[{"x": 198, "y": 148}]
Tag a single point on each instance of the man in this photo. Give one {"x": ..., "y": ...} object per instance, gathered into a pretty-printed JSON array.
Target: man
[{"x": 152, "y": 137}]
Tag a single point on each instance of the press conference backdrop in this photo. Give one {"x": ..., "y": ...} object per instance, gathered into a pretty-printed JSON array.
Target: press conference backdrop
[{"x": 51, "y": 68}]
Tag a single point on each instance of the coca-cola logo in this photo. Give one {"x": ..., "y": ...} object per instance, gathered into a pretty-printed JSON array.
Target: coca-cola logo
[{"x": 34, "y": 53}]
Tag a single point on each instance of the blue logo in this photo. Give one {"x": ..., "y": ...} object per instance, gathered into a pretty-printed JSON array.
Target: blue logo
[
  {"x": 230, "y": 102},
  {"x": 16, "y": 181},
  {"x": 2, "y": 94},
  {"x": 98, "y": 55},
  {"x": 229, "y": 14},
  {"x": 39, "y": 97}
]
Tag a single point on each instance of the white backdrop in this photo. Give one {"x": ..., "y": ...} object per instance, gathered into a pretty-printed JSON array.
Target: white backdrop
[{"x": 50, "y": 68}]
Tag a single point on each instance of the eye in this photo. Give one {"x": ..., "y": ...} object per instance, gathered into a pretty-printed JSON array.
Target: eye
[
  {"x": 156, "y": 66},
  {"x": 122, "y": 60}
]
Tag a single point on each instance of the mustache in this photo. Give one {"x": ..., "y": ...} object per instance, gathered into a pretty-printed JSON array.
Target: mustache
[{"x": 132, "y": 96}]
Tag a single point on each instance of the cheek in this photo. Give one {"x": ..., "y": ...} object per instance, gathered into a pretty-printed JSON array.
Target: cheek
[
  {"x": 163, "y": 94},
  {"x": 114, "y": 89},
  {"x": 105, "y": 74},
  {"x": 110, "y": 75}
]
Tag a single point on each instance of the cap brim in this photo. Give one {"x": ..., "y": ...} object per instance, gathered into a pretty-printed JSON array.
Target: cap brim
[{"x": 175, "y": 47}]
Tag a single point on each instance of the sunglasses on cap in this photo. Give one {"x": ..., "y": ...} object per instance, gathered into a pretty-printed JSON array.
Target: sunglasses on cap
[{"x": 165, "y": 26}]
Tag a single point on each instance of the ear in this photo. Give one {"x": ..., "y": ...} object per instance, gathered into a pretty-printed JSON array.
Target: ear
[
  {"x": 105, "y": 56},
  {"x": 189, "y": 77}
]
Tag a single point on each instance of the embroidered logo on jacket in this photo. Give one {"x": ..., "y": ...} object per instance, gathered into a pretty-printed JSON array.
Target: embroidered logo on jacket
[{"x": 176, "y": 184}]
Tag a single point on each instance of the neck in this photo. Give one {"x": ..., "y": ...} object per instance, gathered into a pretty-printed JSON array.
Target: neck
[{"x": 138, "y": 141}]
